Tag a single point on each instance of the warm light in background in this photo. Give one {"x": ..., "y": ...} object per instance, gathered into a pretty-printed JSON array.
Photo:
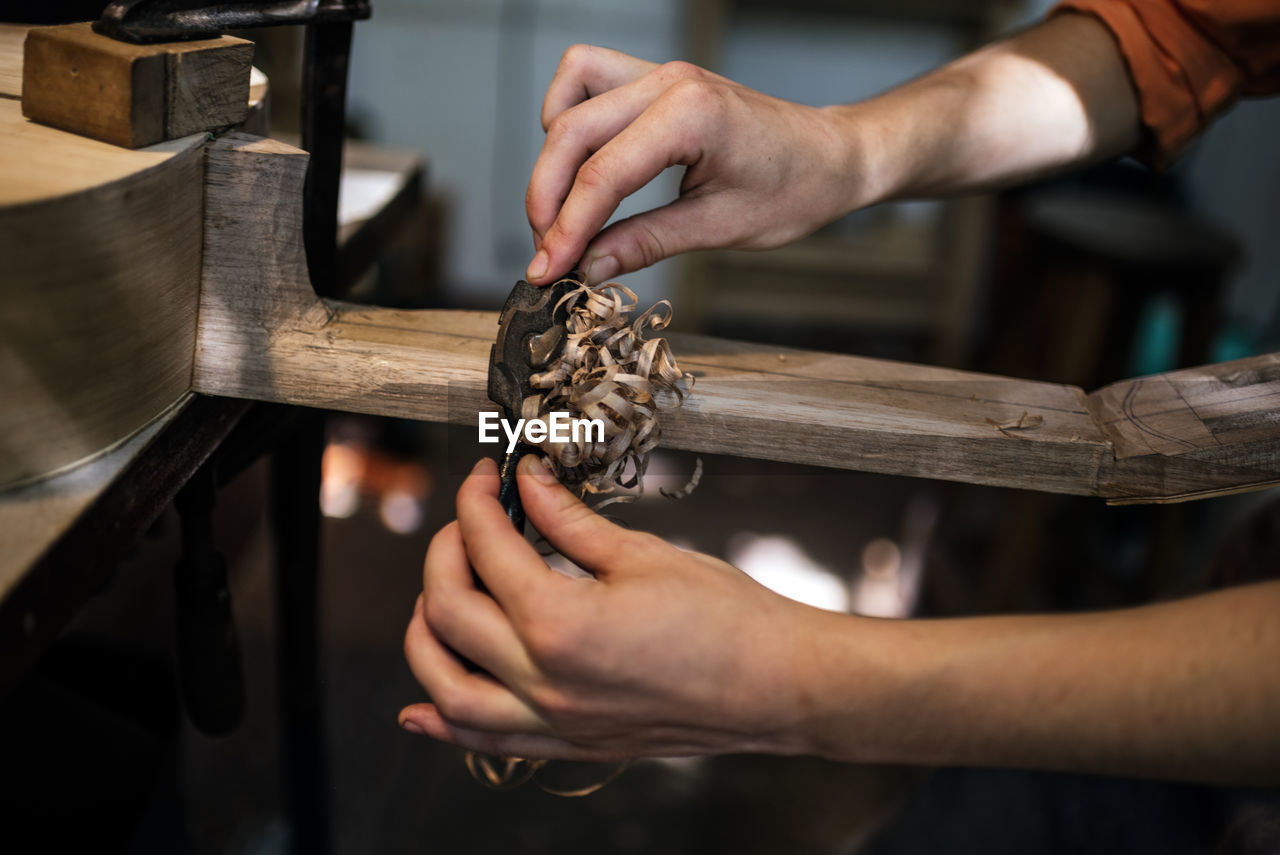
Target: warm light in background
[
  {"x": 341, "y": 468},
  {"x": 876, "y": 593},
  {"x": 781, "y": 564},
  {"x": 893, "y": 571},
  {"x": 400, "y": 512},
  {"x": 352, "y": 474}
]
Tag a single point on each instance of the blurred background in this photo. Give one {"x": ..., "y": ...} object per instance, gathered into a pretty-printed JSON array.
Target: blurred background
[{"x": 1116, "y": 272}]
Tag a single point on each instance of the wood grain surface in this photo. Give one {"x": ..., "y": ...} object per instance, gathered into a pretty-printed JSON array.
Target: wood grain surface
[
  {"x": 1199, "y": 430},
  {"x": 11, "y": 39},
  {"x": 39, "y": 164}
]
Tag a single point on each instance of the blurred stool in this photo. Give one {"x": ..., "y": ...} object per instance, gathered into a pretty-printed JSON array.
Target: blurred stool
[{"x": 1074, "y": 271}]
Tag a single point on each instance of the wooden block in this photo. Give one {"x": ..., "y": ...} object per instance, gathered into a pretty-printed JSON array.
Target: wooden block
[{"x": 133, "y": 95}]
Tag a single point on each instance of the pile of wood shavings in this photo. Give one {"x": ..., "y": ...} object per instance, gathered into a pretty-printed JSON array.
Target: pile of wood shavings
[{"x": 608, "y": 370}]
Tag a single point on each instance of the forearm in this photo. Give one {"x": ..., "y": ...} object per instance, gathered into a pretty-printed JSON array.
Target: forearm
[
  {"x": 1188, "y": 689},
  {"x": 1053, "y": 97}
]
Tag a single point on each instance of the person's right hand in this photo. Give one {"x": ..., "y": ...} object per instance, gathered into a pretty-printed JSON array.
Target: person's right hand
[
  {"x": 761, "y": 172},
  {"x": 661, "y": 652}
]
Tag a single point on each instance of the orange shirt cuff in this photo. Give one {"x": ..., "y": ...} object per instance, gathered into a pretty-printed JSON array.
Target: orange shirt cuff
[{"x": 1182, "y": 79}]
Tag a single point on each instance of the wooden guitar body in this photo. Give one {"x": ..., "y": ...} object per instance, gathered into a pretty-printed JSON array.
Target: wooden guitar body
[{"x": 101, "y": 250}]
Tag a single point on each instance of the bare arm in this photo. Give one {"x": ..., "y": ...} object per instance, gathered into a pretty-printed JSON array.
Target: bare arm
[
  {"x": 1187, "y": 689},
  {"x": 1053, "y": 97},
  {"x": 761, "y": 172},
  {"x": 667, "y": 652}
]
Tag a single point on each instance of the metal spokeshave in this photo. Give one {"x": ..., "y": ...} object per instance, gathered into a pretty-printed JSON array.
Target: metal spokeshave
[{"x": 531, "y": 334}]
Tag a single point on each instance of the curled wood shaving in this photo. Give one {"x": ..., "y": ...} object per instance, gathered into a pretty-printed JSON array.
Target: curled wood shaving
[
  {"x": 500, "y": 772},
  {"x": 687, "y": 488},
  {"x": 503, "y": 773},
  {"x": 610, "y": 371}
]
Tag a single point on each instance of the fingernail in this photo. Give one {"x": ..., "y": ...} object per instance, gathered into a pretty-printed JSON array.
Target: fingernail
[
  {"x": 413, "y": 727},
  {"x": 483, "y": 465},
  {"x": 602, "y": 269},
  {"x": 538, "y": 267},
  {"x": 536, "y": 466}
]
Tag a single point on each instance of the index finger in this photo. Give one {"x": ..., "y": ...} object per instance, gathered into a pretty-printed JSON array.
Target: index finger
[
  {"x": 660, "y": 137},
  {"x": 507, "y": 564},
  {"x": 580, "y": 131},
  {"x": 469, "y": 622},
  {"x": 584, "y": 72}
]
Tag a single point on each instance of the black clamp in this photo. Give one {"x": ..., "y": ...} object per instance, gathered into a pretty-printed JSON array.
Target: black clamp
[{"x": 150, "y": 21}]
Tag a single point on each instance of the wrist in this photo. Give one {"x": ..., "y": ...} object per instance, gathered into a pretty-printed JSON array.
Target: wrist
[
  {"x": 860, "y": 680},
  {"x": 863, "y": 168}
]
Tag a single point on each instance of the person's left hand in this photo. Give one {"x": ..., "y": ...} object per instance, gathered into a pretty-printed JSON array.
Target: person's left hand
[
  {"x": 663, "y": 653},
  {"x": 760, "y": 171}
]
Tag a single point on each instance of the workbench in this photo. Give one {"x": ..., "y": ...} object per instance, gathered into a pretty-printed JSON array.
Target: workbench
[{"x": 63, "y": 535}]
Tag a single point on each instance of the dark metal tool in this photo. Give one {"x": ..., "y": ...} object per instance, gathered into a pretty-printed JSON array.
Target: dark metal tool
[
  {"x": 149, "y": 21},
  {"x": 531, "y": 333}
]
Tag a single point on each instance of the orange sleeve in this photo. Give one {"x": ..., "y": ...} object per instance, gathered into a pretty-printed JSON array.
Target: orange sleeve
[{"x": 1190, "y": 59}]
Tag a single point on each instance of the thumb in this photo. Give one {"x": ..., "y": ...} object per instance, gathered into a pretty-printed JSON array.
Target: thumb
[
  {"x": 647, "y": 238},
  {"x": 577, "y": 532}
]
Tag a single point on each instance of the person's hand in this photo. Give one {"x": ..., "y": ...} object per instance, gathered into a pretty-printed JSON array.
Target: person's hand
[
  {"x": 761, "y": 172},
  {"x": 663, "y": 653}
]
